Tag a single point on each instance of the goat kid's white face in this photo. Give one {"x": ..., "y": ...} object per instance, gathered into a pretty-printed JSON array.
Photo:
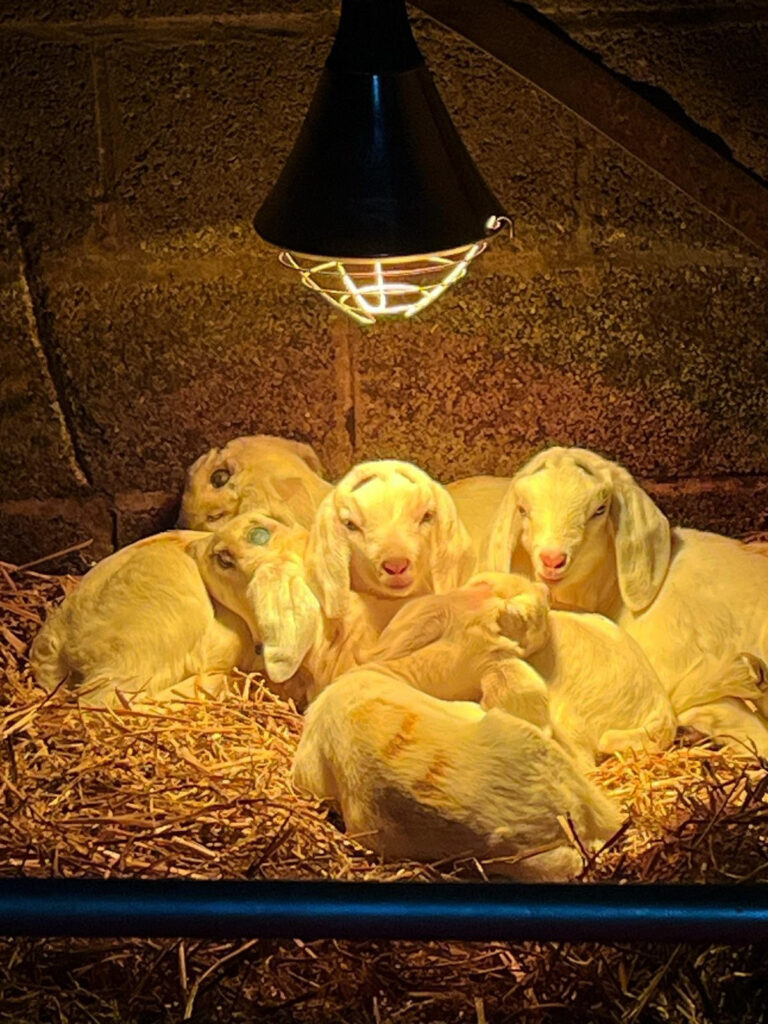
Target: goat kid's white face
[
  {"x": 564, "y": 522},
  {"x": 389, "y": 525},
  {"x": 254, "y": 567}
]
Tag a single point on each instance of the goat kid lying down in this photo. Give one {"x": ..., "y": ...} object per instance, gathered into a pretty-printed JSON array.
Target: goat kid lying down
[
  {"x": 426, "y": 779},
  {"x": 188, "y": 602},
  {"x": 140, "y": 622},
  {"x": 252, "y": 473},
  {"x": 387, "y": 532},
  {"x": 255, "y": 567},
  {"x": 577, "y": 676},
  {"x": 696, "y": 602}
]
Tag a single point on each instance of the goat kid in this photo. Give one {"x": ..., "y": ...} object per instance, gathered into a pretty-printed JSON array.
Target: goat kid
[
  {"x": 254, "y": 566},
  {"x": 579, "y": 677},
  {"x": 426, "y": 779},
  {"x": 251, "y": 473},
  {"x": 477, "y": 498},
  {"x": 696, "y": 602},
  {"x": 387, "y": 532},
  {"x": 138, "y": 623}
]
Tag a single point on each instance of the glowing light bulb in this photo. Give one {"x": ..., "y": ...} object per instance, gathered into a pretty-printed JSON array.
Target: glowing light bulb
[{"x": 399, "y": 287}]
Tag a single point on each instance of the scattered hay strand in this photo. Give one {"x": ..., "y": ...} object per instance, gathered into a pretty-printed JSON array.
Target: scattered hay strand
[{"x": 201, "y": 790}]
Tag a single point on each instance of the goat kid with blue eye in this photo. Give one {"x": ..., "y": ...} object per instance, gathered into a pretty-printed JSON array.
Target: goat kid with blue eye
[
  {"x": 695, "y": 602},
  {"x": 157, "y": 616},
  {"x": 386, "y": 532}
]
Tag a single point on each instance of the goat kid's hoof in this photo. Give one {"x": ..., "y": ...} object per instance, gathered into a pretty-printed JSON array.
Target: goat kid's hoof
[{"x": 756, "y": 669}]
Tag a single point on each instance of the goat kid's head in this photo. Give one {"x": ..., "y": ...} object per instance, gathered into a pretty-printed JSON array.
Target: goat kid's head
[
  {"x": 254, "y": 566},
  {"x": 251, "y": 473},
  {"x": 389, "y": 530},
  {"x": 573, "y": 511}
]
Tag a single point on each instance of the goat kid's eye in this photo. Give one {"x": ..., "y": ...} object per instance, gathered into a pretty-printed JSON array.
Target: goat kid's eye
[
  {"x": 522, "y": 511},
  {"x": 258, "y": 535},
  {"x": 225, "y": 559},
  {"x": 599, "y": 511},
  {"x": 428, "y": 516},
  {"x": 220, "y": 477},
  {"x": 214, "y": 517},
  {"x": 349, "y": 525}
]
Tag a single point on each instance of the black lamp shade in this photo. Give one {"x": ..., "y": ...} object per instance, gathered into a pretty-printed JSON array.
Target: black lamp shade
[{"x": 378, "y": 169}]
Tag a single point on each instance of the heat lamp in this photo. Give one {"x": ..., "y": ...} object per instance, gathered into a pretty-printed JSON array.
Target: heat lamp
[{"x": 379, "y": 208}]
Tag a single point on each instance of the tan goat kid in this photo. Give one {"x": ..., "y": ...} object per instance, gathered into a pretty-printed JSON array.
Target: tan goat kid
[
  {"x": 139, "y": 622},
  {"x": 261, "y": 577},
  {"x": 696, "y": 603},
  {"x": 428, "y": 779},
  {"x": 252, "y": 473}
]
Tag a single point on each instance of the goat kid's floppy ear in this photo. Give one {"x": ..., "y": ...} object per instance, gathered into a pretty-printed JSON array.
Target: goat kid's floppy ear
[
  {"x": 327, "y": 559},
  {"x": 307, "y": 454},
  {"x": 453, "y": 558},
  {"x": 641, "y": 536},
  {"x": 288, "y": 616},
  {"x": 499, "y": 546}
]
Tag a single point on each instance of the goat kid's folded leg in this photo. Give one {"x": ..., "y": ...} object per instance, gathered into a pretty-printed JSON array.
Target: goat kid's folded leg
[
  {"x": 517, "y": 688},
  {"x": 731, "y": 724},
  {"x": 711, "y": 679},
  {"x": 558, "y": 865}
]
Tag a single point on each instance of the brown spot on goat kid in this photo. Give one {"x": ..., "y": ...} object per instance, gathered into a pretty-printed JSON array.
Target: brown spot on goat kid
[{"x": 403, "y": 737}]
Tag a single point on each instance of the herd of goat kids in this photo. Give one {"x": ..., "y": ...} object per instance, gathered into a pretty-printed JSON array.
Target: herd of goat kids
[{"x": 465, "y": 654}]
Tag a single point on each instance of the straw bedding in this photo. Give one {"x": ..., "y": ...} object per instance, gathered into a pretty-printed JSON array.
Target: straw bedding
[{"x": 201, "y": 790}]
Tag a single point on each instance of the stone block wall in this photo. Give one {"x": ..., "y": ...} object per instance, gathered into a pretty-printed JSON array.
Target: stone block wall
[{"x": 142, "y": 320}]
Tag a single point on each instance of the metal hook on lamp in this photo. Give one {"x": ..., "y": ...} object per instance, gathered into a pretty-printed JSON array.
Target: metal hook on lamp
[{"x": 379, "y": 207}]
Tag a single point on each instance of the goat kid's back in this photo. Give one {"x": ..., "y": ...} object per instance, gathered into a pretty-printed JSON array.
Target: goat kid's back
[{"x": 423, "y": 778}]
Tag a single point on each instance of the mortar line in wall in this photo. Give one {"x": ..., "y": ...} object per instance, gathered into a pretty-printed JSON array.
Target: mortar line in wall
[
  {"x": 354, "y": 334},
  {"x": 65, "y": 429},
  {"x": 107, "y": 212},
  {"x": 105, "y": 149},
  {"x": 59, "y": 403},
  {"x": 115, "y": 533},
  {"x": 224, "y": 27},
  {"x": 344, "y": 344},
  {"x": 701, "y": 484}
]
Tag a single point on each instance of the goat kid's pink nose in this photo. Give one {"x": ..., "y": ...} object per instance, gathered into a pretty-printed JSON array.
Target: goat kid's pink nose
[
  {"x": 553, "y": 559},
  {"x": 395, "y": 566}
]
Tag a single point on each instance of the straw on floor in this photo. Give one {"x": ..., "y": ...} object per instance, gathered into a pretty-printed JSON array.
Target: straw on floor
[{"x": 201, "y": 790}]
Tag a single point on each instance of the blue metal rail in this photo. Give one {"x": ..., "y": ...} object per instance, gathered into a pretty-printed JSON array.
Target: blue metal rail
[{"x": 384, "y": 910}]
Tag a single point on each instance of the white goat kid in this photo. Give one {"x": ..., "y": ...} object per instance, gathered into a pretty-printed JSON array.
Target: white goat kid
[
  {"x": 255, "y": 567},
  {"x": 578, "y": 676},
  {"x": 140, "y": 622},
  {"x": 697, "y": 603},
  {"x": 388, "y": 532},
  {"x": 251, "y": 473},
  {"x": 426, "y": 779}
]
